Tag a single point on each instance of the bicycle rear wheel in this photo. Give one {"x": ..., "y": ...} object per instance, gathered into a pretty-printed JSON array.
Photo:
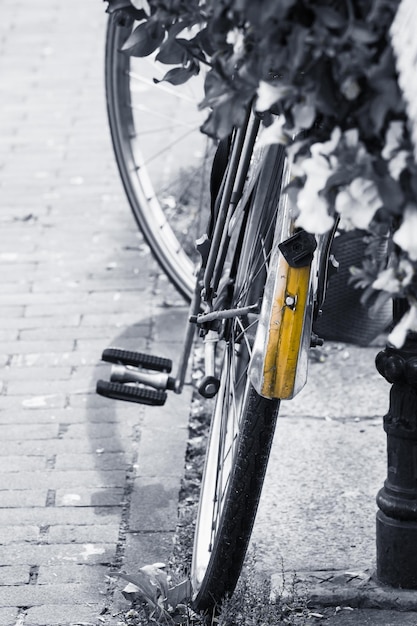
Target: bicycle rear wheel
[
  {"x": 163, "y": 159},
  {"x": 243, "y": 422}
]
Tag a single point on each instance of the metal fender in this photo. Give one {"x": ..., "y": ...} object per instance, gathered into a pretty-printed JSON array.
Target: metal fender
[{"x": 278, "y": 367}]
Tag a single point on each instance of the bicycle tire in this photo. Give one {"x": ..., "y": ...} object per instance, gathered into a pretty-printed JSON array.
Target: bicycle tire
[
  {"x": 242, "y": 423},
  {"x": 131, "y": 121}
]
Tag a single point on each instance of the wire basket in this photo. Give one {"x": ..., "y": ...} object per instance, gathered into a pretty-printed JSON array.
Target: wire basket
[{"x": 345, "y": 318}]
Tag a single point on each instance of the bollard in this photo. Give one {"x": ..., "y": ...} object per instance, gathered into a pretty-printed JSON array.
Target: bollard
[{"x": 396, "y": 520}]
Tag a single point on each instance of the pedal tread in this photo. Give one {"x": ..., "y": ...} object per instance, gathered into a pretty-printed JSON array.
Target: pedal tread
[
  {"x": 137, "y": 359},
  {"x": 140, "y": 395}
]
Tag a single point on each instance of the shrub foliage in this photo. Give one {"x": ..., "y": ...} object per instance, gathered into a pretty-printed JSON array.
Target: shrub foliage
[{"x": 322, "y": 74}]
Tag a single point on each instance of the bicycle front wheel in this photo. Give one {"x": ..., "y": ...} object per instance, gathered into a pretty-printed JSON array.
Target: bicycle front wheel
[
  {"x": 243, "y": 422},
  {"x": 163, "y": 159}
]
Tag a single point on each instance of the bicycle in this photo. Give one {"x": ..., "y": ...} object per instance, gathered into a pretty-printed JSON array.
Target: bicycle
[{"x": 255, "y": 292}]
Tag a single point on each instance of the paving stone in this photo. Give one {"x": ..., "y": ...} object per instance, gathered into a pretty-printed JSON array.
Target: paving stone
[
  {"x": 13, "y": 498},
  {"x": 72, "y": 573},
  {"x": 20, "y": 322},
  {"x": 47, "y": 373},
  {"x": 64, "y": 479},
  {"x": 18, "y": 554},
  {"x": 65, "y": 415},
  {"x": 21, "y": 463},
  {"x": 57, "y": 446},
  {"x": 8, "y": 616},
  {"x": 59, "y": 594},
  {"x": 106, "y": 533},
  {"x": 14, "y": 574},
  {"x": 97, "y": 429},
  {"x": 111, "y": 496},
  {"x": 106, "y": 461},
  {"x": 46, "y": 516},
  {"x": 37, "y": 347},
  {"x": 146, "y": 548},
  {"x": 64, "y": 615},
  {"x": 154, "y": 504},
  {"x": 51, "y": 401},
  {"x": 32, "y": 431}
]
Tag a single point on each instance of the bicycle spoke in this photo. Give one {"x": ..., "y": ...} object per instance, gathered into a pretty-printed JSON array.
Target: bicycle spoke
[{"x": 158, "y": 147}]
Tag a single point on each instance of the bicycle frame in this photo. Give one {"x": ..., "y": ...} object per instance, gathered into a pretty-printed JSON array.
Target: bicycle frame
[{"x": 294, "y": 290}]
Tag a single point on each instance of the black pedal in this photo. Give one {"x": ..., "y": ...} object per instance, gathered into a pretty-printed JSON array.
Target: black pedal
[
  {"x": 137, "y": 359},
  {"x": 130, "y": 393}
]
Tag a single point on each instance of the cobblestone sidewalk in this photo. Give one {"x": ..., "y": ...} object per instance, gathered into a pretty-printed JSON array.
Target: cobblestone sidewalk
[{"x": 86, "y": 484}]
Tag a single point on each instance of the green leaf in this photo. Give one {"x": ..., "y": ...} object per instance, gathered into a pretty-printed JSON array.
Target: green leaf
[
  {"x": 203, "y": 41},
  {"x": 330, "y": 17},
  {"x": 363, "y": 35},
  {"x": 125, "y": 6},
  {"x": 145, "y": 39},
  {"x": 172, "y": 52},
  {"x": 118, "y": 5},
  {"x": 224, "y": 116},
  {"x": 178, "y": 75}
]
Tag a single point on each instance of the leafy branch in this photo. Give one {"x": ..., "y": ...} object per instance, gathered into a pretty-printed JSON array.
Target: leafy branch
[{"x": 323, "y": 76}]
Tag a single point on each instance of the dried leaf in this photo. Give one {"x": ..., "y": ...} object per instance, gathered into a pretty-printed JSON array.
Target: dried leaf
[
  {"x": 179, "y": 594},
  {"x": 143, "y": 587},
  {"x": 132, "y": 593}
]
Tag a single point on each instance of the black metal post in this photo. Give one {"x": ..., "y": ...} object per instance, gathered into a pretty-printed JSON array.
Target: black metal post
[{"x": 396, "y": 521}]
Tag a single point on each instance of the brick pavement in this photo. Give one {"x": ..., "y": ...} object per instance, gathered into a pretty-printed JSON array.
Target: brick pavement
[
  {"x": 86, "y": 484},
  {"x": 76, "y": 471}
]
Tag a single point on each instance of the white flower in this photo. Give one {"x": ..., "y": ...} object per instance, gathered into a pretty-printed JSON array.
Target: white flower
[
  {"x": 351, "y": 137},
  {"x": 406, "y": 236},
  {"x": 274, "y": 133},
  {"x": 398, "y": 163},
  {"x": 142, "y": 4},
  {"x": 328, "y": 146},
  {"x": 268, "y": 94},
  {"x": 236, "y": 39},
  {"x": 407, "y": 322},
  {"x": 358, "y": 203},
  {"x": 314, "y": 216},
  {"x": 392, "y": 279},
  {"x": 304, "y": 114},
  {"x": 393, "y": 139},
  {"x": 387, "y": 281}
]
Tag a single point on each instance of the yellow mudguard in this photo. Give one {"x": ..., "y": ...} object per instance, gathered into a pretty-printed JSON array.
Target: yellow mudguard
[{"x": 278, "y": 367}]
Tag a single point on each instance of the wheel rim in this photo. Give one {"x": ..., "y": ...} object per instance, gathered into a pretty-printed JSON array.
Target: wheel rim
[
  {"x": 224, "y": 438},
  {"x": 230, "y": 402},
  {"x": 163, "y": 158}
]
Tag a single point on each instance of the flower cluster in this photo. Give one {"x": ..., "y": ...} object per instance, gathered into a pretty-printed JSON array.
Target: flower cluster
[{"x": 323, "y": 76}]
